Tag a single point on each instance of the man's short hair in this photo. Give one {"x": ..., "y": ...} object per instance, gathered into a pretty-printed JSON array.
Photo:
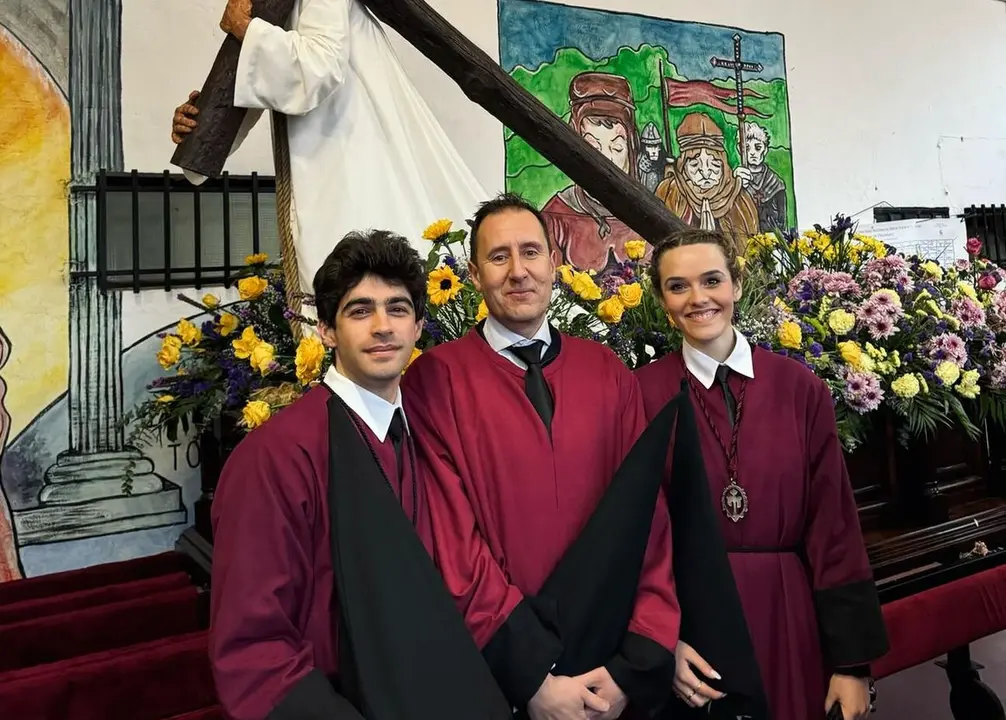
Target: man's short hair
[
  {"x": 374, "y": 252},
  {"x": 501, "y": 203}
]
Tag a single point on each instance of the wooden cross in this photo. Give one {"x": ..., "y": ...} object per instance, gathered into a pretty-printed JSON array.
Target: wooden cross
[{"x": 739, "y": 67}]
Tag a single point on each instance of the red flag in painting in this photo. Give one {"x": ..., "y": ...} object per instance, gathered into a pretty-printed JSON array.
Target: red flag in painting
[{"x": 683, "y": 93}]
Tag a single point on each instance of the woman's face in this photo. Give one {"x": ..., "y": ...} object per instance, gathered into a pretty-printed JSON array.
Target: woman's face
[{"x": 697, "y": 292}]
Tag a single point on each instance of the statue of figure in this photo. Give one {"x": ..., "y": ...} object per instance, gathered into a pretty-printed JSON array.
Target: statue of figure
[
  {"x": 365, "y": 149},
  {"x": 763, "y": 184},
  {"x": 10, "y": 568},
  {"x": 704, "y": 191},
  {"x": 652, "y": 163},
  {"x": 583, "y": 232}
]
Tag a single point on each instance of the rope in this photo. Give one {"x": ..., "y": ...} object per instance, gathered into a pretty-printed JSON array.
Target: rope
[{"x": 284, "y": 219}]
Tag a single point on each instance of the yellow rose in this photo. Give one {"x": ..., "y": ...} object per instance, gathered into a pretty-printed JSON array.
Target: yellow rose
[
  {"x": 906, "y": 386},
  {"x": 262, "y": 357},
  {"x": 948, "y": 372},
  {"x": 165, "y": 398},
  {"x": 256, "y": 259},
  {"x": 635, "y": 249},
  {"x": 250, "y": 288},
  {"x": 254, "y": 413},
  {"x": 611, "y": 310},
  {"x": 437, "y": 229},
  {"x": 851, "y": 353},
  {"x": 790, "y": 335},
  {"x": 309, "y": 358},
  {"x": 584, "y": 286},
  {"x": 841, "y": 322},
  {"x": 228, "y": 324},
  {"x": 189, "y": 333},
  {"x": 630, "y": 295},
  {"x": 245, "y": 344},
  {"x": 416, "y": 352},
  {"x": 565, "y": 274},
  {"x": 482, "y": 313},
  {"x": 210, "y": 300},
  {"x": 170, "y": 352}
]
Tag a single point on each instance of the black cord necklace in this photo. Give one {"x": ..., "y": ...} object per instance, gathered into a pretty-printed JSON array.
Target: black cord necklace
[{"x": 412, "y": 467}]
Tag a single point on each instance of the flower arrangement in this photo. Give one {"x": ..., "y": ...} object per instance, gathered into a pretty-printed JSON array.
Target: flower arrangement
[
  {"x": 884, "y": 330},
  {"x": 243, "y": 364}
]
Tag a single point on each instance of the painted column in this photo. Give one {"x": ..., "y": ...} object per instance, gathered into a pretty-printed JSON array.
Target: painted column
[{"x": 82, "y": 496}]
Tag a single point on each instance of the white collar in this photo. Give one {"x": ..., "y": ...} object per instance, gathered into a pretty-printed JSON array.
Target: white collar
[
  {"x": 374, "y": 410},
  {"x": 501, "y": 337},
  {"x": 703, "y": 367}
]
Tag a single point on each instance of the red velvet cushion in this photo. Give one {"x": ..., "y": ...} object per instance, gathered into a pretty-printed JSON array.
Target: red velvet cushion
[
  {"x": 211, "y": 713},
  {"x": 149, "y": 681},
  {"x": 59, "y": 637},
  {"x": 924, "y": 626},
  {"x": 98, "y": 576},
  {"x": 69, "y": 602}
]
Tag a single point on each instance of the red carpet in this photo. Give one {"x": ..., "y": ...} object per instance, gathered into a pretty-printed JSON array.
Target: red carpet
[{"x": 123, "y": 641}]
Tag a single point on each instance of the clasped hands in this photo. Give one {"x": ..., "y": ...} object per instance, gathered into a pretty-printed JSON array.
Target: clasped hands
[{"x": 591, "y": 696}]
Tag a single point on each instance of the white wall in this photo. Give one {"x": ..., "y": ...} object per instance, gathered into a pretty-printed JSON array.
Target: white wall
[{"x": 891, "y": 101}]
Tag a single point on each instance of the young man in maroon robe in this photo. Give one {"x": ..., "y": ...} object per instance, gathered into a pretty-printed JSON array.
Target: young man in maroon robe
[
  {"x": 325, "y": 601},
  {"x": 522, "y": 429},
  {"x": 785, "y": 510}
]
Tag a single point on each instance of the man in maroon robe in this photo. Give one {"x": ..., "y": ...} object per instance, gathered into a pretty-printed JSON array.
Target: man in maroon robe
[
  {"x": 325, "y": 601},
  {"x": 522, "y": 430}
]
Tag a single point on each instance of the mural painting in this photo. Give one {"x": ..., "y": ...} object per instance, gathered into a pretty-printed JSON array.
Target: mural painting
[
  {"x": 698, "y": 114},
  {"x": 65, "y": 376}
]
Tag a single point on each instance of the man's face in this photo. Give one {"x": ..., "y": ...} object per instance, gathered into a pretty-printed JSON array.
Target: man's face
[
  {"x": 704, "y": 170},
  {"x": 374, "y": 334},
  {"x": 653, "y": 152},
  {"x": 755, "y": 151},
  {"x": 611, "y": 141},
  {"x": 513, "y": 270}
]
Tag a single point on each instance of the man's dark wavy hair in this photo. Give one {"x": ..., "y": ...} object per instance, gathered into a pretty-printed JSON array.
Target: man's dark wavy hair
[
  {"x": 372, "y": 252},
  {"x": 501, "y": 203}
]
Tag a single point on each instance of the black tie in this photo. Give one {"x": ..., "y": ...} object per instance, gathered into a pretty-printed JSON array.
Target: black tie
[
  {"x": 396, "y": 431},
  {"x": 722, "y": 374},
  {"x": 534, "y": 380}
]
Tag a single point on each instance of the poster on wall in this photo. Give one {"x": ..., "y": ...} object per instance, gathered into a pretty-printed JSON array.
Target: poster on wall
[{"x": 698, "y": 114}]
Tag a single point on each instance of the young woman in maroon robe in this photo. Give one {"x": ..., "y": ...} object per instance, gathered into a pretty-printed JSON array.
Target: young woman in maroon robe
[
  {"x": 325, "y": 602},
  {"x": 778, "y": 480},
  {"x": 522, "y": 430}
]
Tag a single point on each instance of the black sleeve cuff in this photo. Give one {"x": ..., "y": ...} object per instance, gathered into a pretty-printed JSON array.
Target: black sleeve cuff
[
  {"x": 524, "y": 650},
  {"x": 851, "y": 623},
  {"x": 314, "y": 698},
  {"x": 644, "y": 670},
  {"x": 856, "y": 671}
]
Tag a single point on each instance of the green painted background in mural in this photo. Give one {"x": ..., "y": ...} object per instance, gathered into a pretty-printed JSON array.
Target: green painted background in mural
[{"x": 533, "y": 176}]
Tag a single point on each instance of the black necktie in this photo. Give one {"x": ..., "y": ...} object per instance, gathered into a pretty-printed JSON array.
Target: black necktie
[
  {"x": 722, "y": 374},
  {"x": 396, "y": 431},
  {"x": 534, "y": 380}
]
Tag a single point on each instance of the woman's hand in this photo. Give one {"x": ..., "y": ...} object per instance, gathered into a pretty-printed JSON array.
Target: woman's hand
[
  {"x": 687, "y": 686},
  {"x": 852, "y": 693}
]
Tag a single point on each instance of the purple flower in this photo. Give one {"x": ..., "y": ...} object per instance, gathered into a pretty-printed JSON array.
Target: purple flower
[
  {"x": 862, "y": 391},
  {"x": 947, "y": 346},
  {"x": 816, "y": 350}
]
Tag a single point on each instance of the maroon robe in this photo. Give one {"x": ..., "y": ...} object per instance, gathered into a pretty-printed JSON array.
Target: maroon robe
[
  {"x": 507, "y": 501},
  {"x": 798, "y": 557},
  {"x": 309, "y": 503}
]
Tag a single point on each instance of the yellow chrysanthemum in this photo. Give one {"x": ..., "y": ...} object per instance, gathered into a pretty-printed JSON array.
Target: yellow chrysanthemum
[
  {"x": 610, "y": 310},
  {"x": 442, "y": 285},
  {"x": 436, "y": 230},
  {"x": 635, "y": 249},
  {"x": 254, "y": 413},
  {"x": 416, "y": 352},
  {"x": 250, "y": 288},
  {"x": 482, "y": 313},
  {"x": 189, "y": 333},
  {"x": 170, "y": 352},
  {"x": 841, "y": 322},
  {"x": 565, "y": 274},
  {"x": 165, "y": 398},
  {"x": 246, "y": 344},
  {"x": 968, "y": 289},
  {"x": 309, "y": 358},
  {"x": 631, "y": 294},
  {"x": 256, "y": 259},
  {"x": 947, "y": 372},
  {"x": 228, "y": 324},
  {"x": 584, "y": 286},
  {"x": 790, "y": 335},
  {"x": 968, "y": 386},
  {"x": 906, "y": 386},
  {"x": 932, "y": 269}
]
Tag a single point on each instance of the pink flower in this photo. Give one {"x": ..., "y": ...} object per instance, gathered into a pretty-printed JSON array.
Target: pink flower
[
  {"x": 997, "y": 312},
  {"x": 947, "y": 346},
  {"x": 988, "y": 281},
  {"x": 974, "y": 246},
  {"x": 970, "y": 313},
  {"x": 862, "y": 391},
  {"x": 890, "y": 271}
]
